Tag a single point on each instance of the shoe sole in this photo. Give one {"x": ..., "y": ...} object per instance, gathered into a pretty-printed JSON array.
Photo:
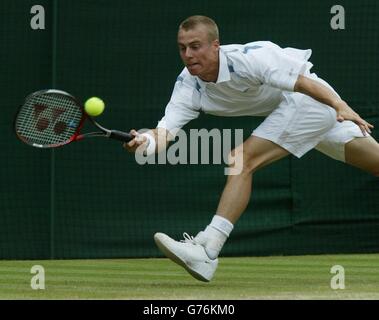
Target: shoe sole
[{"x": 179, "y": 261}]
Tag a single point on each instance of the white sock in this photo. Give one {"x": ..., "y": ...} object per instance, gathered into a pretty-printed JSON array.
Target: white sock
[{"x": 216, "y": 233}]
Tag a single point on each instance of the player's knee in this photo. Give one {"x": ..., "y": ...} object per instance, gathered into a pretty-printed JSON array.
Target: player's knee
[
  {"x": 243, "y": 161},
  {"x": 235, "y": 160}
]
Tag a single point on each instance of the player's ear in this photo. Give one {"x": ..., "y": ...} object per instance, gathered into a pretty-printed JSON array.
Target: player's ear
[{"x": 216, "y": 43}]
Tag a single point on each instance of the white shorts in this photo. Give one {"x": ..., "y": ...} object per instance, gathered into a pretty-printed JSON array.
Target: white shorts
[
  {"x": 333, "y": 144},
  {"x": 301, "y": 123}
]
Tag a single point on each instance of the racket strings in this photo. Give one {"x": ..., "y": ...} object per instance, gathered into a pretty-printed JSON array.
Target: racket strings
[{"x": 48, "y": 119}]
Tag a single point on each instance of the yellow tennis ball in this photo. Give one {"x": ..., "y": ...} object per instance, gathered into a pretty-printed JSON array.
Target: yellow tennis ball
[{"x": 94, "y": 106}]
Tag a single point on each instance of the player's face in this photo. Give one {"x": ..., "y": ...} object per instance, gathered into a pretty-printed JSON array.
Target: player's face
[{"x": 199, "y": 55}]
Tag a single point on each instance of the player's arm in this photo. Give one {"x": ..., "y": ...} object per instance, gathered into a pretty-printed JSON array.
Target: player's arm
[
  {"x": 155, "y": 139},
  {"x": 179, "y": 111},
  {"x": 326, "y": 96}
]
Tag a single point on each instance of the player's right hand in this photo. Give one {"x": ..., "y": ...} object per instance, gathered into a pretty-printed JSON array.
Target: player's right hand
[{"x": 138, "y": 140}]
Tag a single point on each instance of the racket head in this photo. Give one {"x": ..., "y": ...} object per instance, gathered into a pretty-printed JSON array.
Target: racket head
[{"x": 49, "y": 118}]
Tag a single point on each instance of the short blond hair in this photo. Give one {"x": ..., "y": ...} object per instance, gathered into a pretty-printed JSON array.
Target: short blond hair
[{"x": 193, "y": 21}]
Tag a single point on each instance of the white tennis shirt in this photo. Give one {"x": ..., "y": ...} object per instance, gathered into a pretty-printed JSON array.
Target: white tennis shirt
[{"x": 251, "y": 81}]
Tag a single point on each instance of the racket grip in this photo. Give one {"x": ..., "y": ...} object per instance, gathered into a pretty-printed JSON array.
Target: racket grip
[{"x": 121, "y": 136}]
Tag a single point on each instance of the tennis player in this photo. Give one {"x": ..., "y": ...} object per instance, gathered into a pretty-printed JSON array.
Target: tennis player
[{"x": 256, "y": 79}]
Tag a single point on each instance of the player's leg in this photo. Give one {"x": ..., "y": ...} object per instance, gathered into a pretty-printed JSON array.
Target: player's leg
[
  {"x": 255, "y": 153},
  {"x": 345, "y": 142},
  {"x": 199, "y": 255},
  {"x": 296, "y": 126},
  {"x": 363, "y": 153}
]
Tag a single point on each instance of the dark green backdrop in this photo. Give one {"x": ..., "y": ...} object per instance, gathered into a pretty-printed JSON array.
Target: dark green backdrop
[{"x": 91, "y": 199}]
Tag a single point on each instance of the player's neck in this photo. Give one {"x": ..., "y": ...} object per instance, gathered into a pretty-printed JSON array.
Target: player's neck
[{"x": 211, "y": 75}]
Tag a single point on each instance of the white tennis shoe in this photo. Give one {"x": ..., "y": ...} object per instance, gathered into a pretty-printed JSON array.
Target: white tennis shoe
[{"x": 188, "y": 253}]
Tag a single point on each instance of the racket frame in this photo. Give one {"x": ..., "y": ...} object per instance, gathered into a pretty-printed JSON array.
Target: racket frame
[{"x": 77, "y": 136}]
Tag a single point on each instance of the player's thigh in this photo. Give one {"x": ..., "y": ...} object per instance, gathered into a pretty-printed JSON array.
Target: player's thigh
[
  {"x": 363, "y": 153},
  {"x": 257, "y": 152}
]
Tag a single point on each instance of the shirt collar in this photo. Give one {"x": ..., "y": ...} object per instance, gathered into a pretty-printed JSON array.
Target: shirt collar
[{"x": 223, "y": 70}]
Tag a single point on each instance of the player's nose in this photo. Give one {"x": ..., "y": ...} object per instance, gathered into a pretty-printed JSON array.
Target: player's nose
[{"x": 188, "y": 53}]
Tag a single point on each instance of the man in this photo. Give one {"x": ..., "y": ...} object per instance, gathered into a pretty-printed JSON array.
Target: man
[{"x": 257, "y": 79}]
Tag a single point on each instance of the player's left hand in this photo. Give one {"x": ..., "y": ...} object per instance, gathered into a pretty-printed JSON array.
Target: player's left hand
[{"x": 344, "y": 112}]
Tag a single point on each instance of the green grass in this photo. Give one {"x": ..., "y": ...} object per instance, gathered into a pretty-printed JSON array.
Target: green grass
[{"x": 294, "y": 277}]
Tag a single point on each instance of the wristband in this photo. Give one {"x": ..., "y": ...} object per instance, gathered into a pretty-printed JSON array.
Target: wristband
[{"x": 150, "y": 144}]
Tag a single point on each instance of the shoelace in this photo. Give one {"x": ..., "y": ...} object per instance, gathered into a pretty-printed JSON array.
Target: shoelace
[{"x": 188, "y": 238}]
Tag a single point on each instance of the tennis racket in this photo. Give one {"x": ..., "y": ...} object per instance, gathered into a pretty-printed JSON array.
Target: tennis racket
[{"x": 53, "y": 118}]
